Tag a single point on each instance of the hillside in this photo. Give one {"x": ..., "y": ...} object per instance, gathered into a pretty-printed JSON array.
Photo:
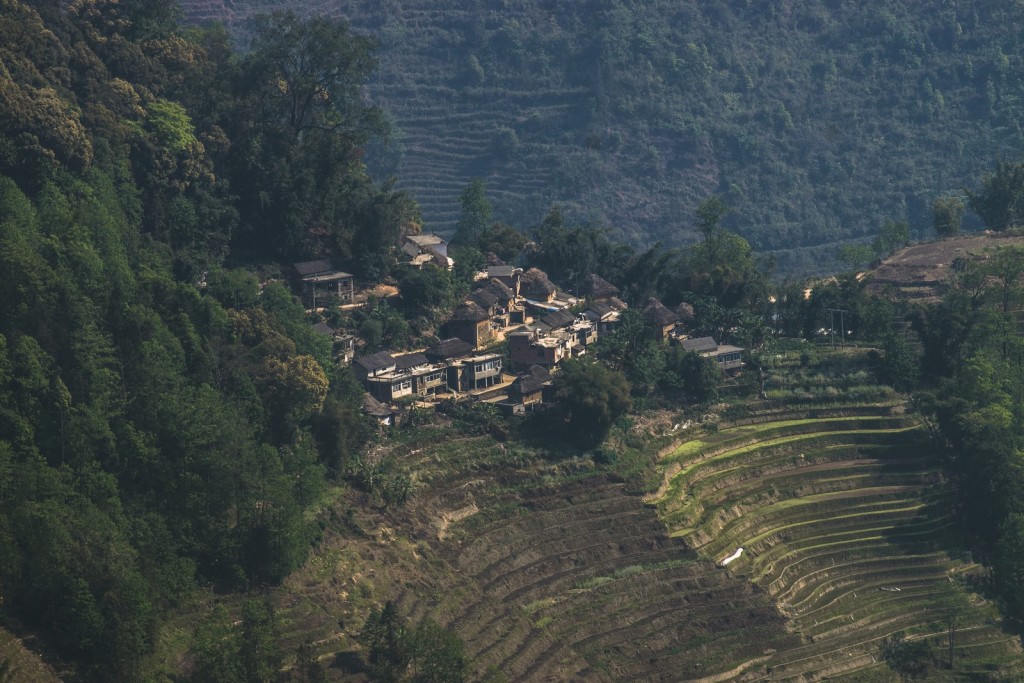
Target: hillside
[
  {"x": 552, "y": 568},
  {"x": 815, "y": 121},
  {"x": 920, "y": 273}
]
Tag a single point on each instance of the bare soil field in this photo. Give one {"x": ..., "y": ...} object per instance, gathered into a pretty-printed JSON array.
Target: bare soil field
[{"x": 920, "y": 273}]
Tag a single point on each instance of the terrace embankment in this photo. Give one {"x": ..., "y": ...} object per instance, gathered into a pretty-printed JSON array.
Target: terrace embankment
[
  {"x": 583, "y": 583},
  {"x": 845, "y": 520}
]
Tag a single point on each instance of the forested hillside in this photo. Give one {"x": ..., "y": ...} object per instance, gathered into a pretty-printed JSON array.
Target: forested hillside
[
  {"x": 816, "y": 121},
  {"x": 156, "y": 409}
]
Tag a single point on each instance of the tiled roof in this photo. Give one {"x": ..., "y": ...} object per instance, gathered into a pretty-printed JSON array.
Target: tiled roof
[
  {"x": 410, "y": 360},
  {"x": 375, "y": 361},
  {"x": 449, "y": 348},
  {"x": 700, "y": 344},
  {"x": 558, "y": 319},
  {"x": 307, "y": 268}
]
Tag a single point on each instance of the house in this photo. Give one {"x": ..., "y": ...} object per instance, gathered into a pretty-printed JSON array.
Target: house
[
  {"x": 727, "y": 357},
  {"x": 428, "y": 378},
  {"x": 448, "y": 350},
  {"x": 343, "y": 345},
  {"x": 475, "y": 372},
  {"x": 427, "y": 248},
  {"x": 557, "y": 320},
  {"x": 536, "y": 286},
  {"x": 383, "y": 414},
  {"x": 413, "y": 374},
  {"x": 596, "y": 288},
  {"x": 604, "y": 316},
  {"x": 510, "y": 276},
  {"x": 321, "y": 283},
  {"x": 470, "y": 323},
  {"x": 583, "y": 331},
  {"x": 659, "y": 318},
  {"x": 500, "y": 302},
  {"x": 685, "y": 313},
  {"x": 528, "y": 347},
  {"x": 390, "y": 386},
  {"x": 374, "y": 365}
]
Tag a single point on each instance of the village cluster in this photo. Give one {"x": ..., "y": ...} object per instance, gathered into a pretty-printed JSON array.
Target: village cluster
[{"x": 542, "y": 324}]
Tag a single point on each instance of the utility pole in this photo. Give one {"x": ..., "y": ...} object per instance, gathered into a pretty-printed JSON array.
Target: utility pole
[{"x": 842, "y": 326}]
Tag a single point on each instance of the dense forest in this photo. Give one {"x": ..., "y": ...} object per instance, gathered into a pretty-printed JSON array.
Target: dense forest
[
  {"x": 157, "y": 407},
  {"x": 816, "y": 121}
]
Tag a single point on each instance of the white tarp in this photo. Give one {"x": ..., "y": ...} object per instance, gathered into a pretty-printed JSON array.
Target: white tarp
[{"x": 735, "y": 555}]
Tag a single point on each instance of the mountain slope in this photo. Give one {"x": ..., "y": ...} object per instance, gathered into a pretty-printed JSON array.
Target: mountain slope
[{"x": 816, "y": 122}]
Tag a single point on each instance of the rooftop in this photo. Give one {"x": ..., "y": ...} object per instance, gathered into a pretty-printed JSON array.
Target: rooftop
[
  {"x": 449, "y": 348},
  {"x": 657, "y": 313},
  {"x": 318, "y": 267},
  {"x": 556, "y": 319},
  {"x": 501, "y": 271},
  {"x": 426, "y": 239},
  {"x": 375, "y": 361},
  {"x": 596, "y": 287},
  {"x": 410, "y": 360},
  {"x": 700, "y": 344},
  {"x": 469, "y": 312}
]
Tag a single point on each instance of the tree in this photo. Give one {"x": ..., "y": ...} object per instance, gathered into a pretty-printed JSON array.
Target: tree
[
  {"x": 476, "y": 214},
  {"x": 312, "y": 74},
  {"x": 590, "y": 397},
  {"x": 439, "y": 655},
  {"x": 692, "y": 374},
  {"x": 955, "y": 606},
  {"x": 911, "y": 658},
  {"x": 307, "y": 665},
  {"x": 632, "y": 348},
  {"x": 216, "y": 645},
  {"x": 1000, "y": 201},
  {"x": 258, "y": 648},
  {"x": 709, "y": 218},
  {"x": 899, "y": 365},
  {"x": 892, "y": 235},
  {"x": 388, "y": 643},
  {"x": 856, "y": 256},
  {"x": 947, "y": 215}
]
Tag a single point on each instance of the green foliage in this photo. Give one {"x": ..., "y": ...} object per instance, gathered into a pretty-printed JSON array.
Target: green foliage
[
  {"x": 911, "y": 658},
  {"x": 425, "y": 653},
  {"x": 688, "y": 373},
  {"x": 153, "y": 438},
  {"x": 891, "y": 236},
  {"x": 1000, "y": 201},
  {"x": 568, "y": 253},
  {"x": 476, "y": 213},
  {"x": 899, "y": 366},
  {"x": 632, "y": 349},
  {"x": 947, "y": 215},
  {"x": 431, "y": 292},
  {"x": 590, "y": 397}
]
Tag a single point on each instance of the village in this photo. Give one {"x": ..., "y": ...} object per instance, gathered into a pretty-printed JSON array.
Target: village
[{"x": 501, "y": 345}]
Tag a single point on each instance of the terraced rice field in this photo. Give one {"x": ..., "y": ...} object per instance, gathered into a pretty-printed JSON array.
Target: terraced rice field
[
  {"x": 584, "y": 584},
  {"x": 846, "y": 523}
]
